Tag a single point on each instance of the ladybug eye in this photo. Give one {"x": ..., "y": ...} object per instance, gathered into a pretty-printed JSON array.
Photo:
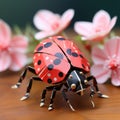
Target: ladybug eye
[
  {"x": 73, "y": 86},
  {"x": 81, "y": 72},
  {"x": 85, "y": 81}
]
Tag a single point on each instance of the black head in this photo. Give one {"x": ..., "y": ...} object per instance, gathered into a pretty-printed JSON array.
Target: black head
[{"x": 77, "y": 81}]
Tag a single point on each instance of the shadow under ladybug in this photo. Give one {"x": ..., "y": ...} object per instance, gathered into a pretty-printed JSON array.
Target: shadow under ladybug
[{"x": 59, "y": 62}]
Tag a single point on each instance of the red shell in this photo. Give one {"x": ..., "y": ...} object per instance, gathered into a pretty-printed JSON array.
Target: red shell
[{"x": 54, "y": 57}]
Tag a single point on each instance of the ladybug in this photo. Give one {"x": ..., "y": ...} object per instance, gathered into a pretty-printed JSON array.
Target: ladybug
[{"x": 59, "y": 62}]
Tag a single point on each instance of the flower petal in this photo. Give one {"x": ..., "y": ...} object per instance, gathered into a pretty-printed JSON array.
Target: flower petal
[
  {"x": 5, "y": 34},
  {"x": 82, "y": 28},
  {"x": 19, "y": 60},
  {"x": 95, "y": 37},
  {"x": 66, "y": 18},
  {"x": 112, "y": 47},
  {"x": 98, "y": 56},
  {"x": 101, "y": 20},
  {"x": 112, "y": 23},
  {"x": 44, "y": 19},
  {"x": 115, "y": 79},
  {"x": 19, "y": 43},
  {"x": 5, "y": 61},
  {"x": 101, "y": 73},
  {"x": 41, "y": 35}
]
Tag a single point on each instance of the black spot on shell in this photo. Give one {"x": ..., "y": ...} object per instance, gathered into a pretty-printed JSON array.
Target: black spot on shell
[
  {"x": 39, "y": 62},
  {"x": 40, "y": 48},
  {"x": 68, "y": 51},
  {"x": 59, "y": 55},
  {"x": 81, "y": 56},
  {"x": 50, "y": 67},
  {"x": 48, "y": 44},
  {"x": 83, "y": 66},
  {"x": 60, "y": 74},
  {"x": 49, "y": 81},
  {"x": 61, "y": 38},
  {"x": 57, "y": 61},
  {"x": 74, "y": 54}
]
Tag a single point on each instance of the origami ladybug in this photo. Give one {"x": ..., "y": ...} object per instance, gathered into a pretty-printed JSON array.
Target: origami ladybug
[{"x": 59, "y": 62}]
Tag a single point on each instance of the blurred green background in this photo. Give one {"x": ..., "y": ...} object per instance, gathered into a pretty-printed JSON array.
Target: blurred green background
[{"x": 21, "y": 12}]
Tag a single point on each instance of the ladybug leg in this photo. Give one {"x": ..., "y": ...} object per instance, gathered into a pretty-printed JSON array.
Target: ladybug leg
[
  {"x": 42, "y": 102},
  {"x": 56, "y": 88},
  {"x": 28, "y": 68},
  {"x": 91, "y": 95},
  {"x": 51, "y": 99},
  {"x": 66, "y": 99},
  {"x": 27, "y": 94},
  {"x": 96, "y": 87}
]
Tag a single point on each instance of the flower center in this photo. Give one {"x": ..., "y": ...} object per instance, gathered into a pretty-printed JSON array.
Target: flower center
[
  {"x": 3, "y": 48},
  {"x": 98, "y": 30},
  {"x": 113, "y": 64},
  {"x": 55, "y": 26}
]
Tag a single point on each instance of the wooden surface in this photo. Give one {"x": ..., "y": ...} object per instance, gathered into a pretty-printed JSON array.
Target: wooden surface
[{"x": 11, "y": 108}]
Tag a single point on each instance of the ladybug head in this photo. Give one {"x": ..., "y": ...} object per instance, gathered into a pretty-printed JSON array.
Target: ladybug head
[{"x": 77, "y": 82}]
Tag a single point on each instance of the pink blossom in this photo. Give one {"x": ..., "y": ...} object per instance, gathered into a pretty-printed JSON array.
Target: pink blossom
[
  {"x": 50, "y": 23},
  {"x": 12, "y": 49},
  {"x": 107, "y": 62},
  {"x": 98, "y": 29}
]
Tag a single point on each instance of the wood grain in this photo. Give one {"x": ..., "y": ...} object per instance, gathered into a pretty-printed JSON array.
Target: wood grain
[{"x": 11, "y": 108}]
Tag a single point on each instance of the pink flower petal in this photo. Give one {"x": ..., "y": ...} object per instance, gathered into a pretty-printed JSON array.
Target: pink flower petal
[
  {"x": 66, "y": 18},
  {"x": 19, "y": 44},
  {"x": 51, "y": 23},
  {"x": 112, "y": 47},
  {"x": 101, "y": 20},
  {"x": 44, "y": 19},
  {"x": 112, "y": 23},
  {"x": 96, "y": 30},
  {"x": 19, "y": 60},
  {"x": 5, "y": 34},
  {"x": 42, "y": 34},
  {"x": 102, "y": 74},
  {"x": 115, "y": 79},
  {"x": 98, "y": 56},
  {"x": 82, "y": 28},
  {"x": 95, "y": 37},
  {"x": 5, "y": 60}
]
